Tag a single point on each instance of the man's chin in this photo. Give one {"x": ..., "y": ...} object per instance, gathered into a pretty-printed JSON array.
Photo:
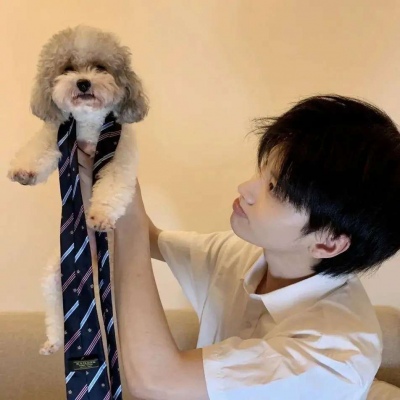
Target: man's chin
[{"x": 234, "y": 225}]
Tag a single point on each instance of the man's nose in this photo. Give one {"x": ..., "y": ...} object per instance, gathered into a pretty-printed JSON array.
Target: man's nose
[{"x": 249, "y": 189}]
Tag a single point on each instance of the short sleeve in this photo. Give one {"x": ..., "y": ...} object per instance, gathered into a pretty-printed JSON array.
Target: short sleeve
[
  {"x": 278, "y": 368},
  {"x": 193, "y": 257}
]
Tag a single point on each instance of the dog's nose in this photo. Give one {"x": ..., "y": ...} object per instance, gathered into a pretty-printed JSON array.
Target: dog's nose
[{"x": 83, "y": 85}]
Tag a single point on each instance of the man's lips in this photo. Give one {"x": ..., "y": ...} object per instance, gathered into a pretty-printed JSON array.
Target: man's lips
[{"x": 238, "y": 209}]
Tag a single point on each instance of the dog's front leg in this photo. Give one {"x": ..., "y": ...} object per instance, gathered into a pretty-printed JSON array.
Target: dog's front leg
[
  {"x": 115, "y": 187},
  {"x": 53, "y": 300},
  {"x": 35, "y": 161}
]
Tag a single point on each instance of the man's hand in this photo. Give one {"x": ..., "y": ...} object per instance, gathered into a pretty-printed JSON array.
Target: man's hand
[
  {"x": 133, "y": 227},
  {"x": 136, "y": 209},
  {"x": 135, "y": 218}
]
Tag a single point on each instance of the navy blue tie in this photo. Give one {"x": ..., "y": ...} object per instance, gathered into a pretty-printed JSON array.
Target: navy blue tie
[{"x": 86, "y": 370}]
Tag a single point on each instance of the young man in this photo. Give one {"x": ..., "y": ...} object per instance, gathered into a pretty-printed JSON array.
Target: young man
[{"x": 282, "y": 313}]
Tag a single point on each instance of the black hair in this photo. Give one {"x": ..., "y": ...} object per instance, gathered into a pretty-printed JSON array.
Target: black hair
[{"x": 339, "y": 160}]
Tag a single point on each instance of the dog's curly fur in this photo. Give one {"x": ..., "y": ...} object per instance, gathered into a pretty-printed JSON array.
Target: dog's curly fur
[
  {"x": 85, "y": 72},
  {"x": 84, "y": 48}
]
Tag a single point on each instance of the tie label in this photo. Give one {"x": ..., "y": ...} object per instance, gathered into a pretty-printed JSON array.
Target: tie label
[{"x": 82, "y": 364}]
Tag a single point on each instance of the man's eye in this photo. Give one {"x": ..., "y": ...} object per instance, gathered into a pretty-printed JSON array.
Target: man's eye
[
  {"x": 68, "y": 68},
  {"x": 101, "y": 68}
]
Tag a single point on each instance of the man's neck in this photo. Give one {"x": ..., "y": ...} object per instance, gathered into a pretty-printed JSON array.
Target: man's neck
[
  {"x": 283, "y": 271},
  {"x": 269, "y": 283}
]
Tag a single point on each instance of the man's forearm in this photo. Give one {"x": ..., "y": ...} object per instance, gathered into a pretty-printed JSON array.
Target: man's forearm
[{"x": 147, "y": 346}]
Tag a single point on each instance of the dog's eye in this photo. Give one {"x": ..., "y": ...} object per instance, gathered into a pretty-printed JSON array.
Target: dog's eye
[
  {"x": 68, "y": 68},
  {"x": 101, "y": 68}
]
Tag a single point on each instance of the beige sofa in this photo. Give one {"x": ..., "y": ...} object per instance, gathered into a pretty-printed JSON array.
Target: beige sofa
[{"x": 26, "y": 375}]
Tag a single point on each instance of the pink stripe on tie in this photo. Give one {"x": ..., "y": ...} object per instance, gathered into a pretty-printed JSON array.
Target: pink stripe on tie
[
  {"x": 105, "y": 294},
  {"x": 108, "y": 135},
  {"x": 73, "y": 152},
  {"x": 66, "y": 223},
  {"x": 72, "y": 340},
  {"x": 84, "y": 279},
  {"x": 62, "y": 169},
  {"x": 78, "y": 218},
  {"x": 82, "y": 393},
  {"x": 68, "y": 281},
  {"x": 114, "y": 359},
  {"x": 108, "y": 396},
  {"x": 94, "y": 342}
]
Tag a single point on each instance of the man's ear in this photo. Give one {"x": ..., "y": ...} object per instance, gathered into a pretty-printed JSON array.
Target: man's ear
[{"x": 328, "y": 246}]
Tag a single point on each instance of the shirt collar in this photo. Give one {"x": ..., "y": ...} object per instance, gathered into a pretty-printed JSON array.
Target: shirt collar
[{"x": 293, "y": 298}]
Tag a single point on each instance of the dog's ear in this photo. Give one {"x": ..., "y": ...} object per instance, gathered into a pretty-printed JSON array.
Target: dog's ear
[
  {"x": 42, "y": 105},
  {"x": 134, "y": 105}
]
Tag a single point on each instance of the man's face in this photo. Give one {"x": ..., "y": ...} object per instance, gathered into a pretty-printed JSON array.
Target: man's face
[{"x": 268, "y": 222}]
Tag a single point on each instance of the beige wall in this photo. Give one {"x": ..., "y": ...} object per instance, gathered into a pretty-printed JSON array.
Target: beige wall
[{"x": 209, "y": 67}]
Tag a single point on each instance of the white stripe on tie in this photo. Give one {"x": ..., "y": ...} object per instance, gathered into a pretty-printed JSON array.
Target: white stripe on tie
[
  {"x": 118, "y": 392},
  {"x": 84, "y": 319},
  {"x": 67, "y": 195},
  {"x": 110, "y": 324},
  {"x": 73, "y": 308},
  {"x": 78, "y": 254},
  {"x": 76, "y": 184},
  {"x": 106, "y": 157},
  {"x": 67, "y": 252},
  {"x": 69, "y": 376},
  {"x": 96, "y": 377},
  {"x": 107, "y": 125},
  {"x": 104, "y": 258},
  {"x": 62, "y": 140}
]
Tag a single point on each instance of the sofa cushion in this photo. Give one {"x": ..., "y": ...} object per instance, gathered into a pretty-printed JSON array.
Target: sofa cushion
[
  {"x": 389, "y": 319},
  {"x": 27, "y": 375},
  {"x": 24, "y": 373},
  {"x": 383, "y": 391}
]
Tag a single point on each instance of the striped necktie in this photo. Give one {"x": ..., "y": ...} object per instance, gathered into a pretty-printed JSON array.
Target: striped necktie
[{"x": 87, "y": 368}]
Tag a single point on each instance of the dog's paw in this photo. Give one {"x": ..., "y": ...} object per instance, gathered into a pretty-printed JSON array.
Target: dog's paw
[
  {"x": 22, "y": 176},
  {"x": 49, "y": 348},
  {"x": 100, "y": 218}
]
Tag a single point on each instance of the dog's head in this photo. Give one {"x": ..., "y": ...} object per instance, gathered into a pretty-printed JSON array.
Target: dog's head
[{"x": 84, "y": 69}]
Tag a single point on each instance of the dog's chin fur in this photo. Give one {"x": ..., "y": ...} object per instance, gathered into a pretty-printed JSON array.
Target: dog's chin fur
[{"x": 103, "y": 94}]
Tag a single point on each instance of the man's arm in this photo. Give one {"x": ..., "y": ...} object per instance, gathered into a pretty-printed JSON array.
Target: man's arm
[{"x": 155, "y": 368}]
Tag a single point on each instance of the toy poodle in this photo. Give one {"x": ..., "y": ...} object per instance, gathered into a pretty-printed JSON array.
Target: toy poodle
[{"x": 85, "y": 72}]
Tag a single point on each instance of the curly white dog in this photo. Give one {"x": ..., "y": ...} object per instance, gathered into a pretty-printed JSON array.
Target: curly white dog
[{"x": 84, "y": 72}]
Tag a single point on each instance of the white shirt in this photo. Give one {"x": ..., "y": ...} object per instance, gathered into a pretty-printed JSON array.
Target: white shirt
[{"x": 315, "y": 339}]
